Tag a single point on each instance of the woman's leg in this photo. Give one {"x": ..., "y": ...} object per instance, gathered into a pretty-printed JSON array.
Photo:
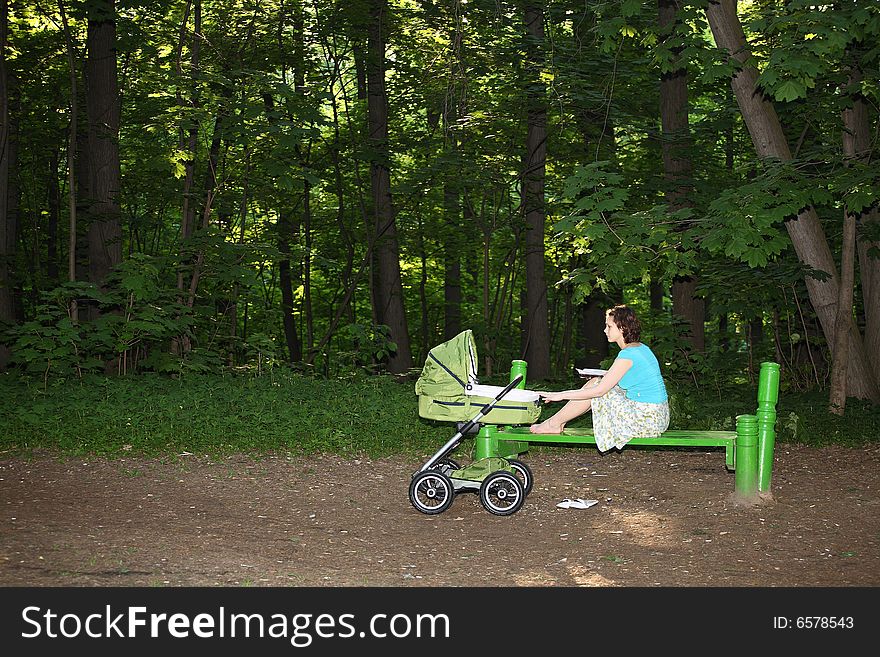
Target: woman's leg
[{"x": 572, "y": 409}]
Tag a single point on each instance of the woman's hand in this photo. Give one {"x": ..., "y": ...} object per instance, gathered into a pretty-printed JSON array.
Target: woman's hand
[{"x": 554, "y": 396}]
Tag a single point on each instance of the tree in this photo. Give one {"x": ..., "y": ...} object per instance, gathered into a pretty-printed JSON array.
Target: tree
[
  {"x": 537, "y": 327},
  {"x": 677, "y": 168},
  {"x": 454, "y": 108},
  {"x": 7, "y": 227},
  {"x": 388, "y": 294},
  {"x": 105, "y": 233},
  {"x": 857, "y": 149},
  {"x": 805, "y": 230}
]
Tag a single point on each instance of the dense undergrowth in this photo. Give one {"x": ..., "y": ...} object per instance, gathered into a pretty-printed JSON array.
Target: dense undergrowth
[{"x": 375, "y": 416}]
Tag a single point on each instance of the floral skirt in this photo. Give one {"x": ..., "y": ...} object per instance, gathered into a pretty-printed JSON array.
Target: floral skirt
[{"x": 617, "y": 419}]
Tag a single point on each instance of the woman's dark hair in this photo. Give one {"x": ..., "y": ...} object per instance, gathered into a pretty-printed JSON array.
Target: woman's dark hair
[{"x": 627, "y": 322}]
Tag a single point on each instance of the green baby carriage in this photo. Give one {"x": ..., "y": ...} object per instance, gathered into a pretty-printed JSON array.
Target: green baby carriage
[{"x": 448, "y": 390}]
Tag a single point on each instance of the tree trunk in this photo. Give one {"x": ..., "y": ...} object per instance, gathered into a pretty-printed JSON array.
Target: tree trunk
[
  {"x": 209, "y": 190},
  {"x": 73, "y": 158},
  {"x": 102, "y": 105},
  {"x": 805, "y": 231},
  {"x": 291, "y": 336},
  {"x": 837, "y": 396},
  {"x": 188, "y": 142},
  {"x": 389, "y": 302},
  {"x": 537, "y": 329},
  {"x": 854, "y": 147},
  {"x": 53, "y": 202},
  {"x": 690, "y": 307},
  {"x": 451, "y": 264},
  {"x": 242, "y": 213},
  {"x": 591, "y": 342},
  {"x": 7, "y": 228},
  {"x": 857, "y": 145},
  {"x": 299, "y": 73},
  {"x": 454, "y": 108},
  {"x": 656, "y": 292},
  {"x": 677, "y": 168}
]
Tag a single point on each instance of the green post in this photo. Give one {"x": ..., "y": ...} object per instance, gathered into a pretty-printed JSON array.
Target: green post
[
  {"x": 486, "y": 444},
  {"x": 768, "y": 395},
  {"x": 746, "y": 480},
  {"x": 518, "y": 367}
]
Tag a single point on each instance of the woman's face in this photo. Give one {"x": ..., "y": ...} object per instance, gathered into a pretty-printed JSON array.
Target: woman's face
[{"x": 611, "y": 330}]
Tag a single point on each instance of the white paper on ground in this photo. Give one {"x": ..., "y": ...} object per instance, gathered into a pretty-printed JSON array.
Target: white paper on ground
[{"x": 577, "y": 503}]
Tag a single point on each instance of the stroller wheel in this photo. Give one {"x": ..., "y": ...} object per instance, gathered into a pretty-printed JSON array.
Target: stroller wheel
[
  {"x": 431, "y": 492},
  {"x": 502, "y": 493},
  {"x": 524, "y": 473}
]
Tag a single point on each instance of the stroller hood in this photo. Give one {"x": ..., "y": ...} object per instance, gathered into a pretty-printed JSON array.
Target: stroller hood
[
  {"x": 450, "y": 367},
  {"x": 448, "y": 388}
]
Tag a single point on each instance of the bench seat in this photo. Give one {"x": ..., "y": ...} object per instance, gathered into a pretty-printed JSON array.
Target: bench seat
[{"x": 672, "y": 438}]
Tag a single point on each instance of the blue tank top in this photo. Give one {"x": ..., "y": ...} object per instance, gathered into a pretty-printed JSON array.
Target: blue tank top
[{"x": 643, "y": 381}]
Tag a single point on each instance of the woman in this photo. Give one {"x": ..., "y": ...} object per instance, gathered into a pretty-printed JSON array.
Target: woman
[{"x": 629, "y": 400}]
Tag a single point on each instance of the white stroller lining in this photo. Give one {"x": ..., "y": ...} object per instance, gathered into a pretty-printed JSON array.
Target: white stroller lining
[{"x": 516, "y": 395}]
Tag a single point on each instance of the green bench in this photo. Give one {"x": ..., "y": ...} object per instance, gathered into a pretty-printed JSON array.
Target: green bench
[{"x": 748, "y": 450}]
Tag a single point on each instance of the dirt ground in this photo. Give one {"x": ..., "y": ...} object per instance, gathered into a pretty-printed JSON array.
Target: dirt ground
[{"x": 664, "y": 518}]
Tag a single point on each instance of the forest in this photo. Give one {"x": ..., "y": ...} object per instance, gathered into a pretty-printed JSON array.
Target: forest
[{"x": 337, "y": 186}]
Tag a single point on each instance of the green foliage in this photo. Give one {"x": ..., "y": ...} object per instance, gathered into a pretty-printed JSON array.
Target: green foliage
[
  {"x": 364, "y": 348},
  {"x": 280, "y": 411},
  {"x": 53, "y": 340},
  {"x": 136, "y": 312},
  {"x": 746, "y": 221},
  {"x": 619, "y": 244},
  {"x": 803, "y": 418},
  {"x": 810, "y": 43},
  {"x": 215, "y": 414}
]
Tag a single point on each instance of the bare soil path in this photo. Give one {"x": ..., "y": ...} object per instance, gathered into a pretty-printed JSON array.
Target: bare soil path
[{"x": 665, "y": 518}]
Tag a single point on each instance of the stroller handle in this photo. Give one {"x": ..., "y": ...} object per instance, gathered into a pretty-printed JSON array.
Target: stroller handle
[{"x": 467, "y": 426}]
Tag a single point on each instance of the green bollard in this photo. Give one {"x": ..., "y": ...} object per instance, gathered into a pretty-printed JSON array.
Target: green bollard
[
  {"x": 518, "y": 367},
  {"x": 746, "y": 479},
  {"x": 768, "y": 395},
  {"x": 486, "y": 443}
]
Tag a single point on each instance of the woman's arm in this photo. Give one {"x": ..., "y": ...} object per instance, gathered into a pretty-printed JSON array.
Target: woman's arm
[{"x": 611, "y": 378}]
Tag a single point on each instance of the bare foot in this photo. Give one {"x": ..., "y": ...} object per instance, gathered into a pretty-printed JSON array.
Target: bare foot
[{"x": 545, "y": 427}]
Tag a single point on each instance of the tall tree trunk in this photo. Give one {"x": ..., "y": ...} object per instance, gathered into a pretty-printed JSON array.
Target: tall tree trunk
[
  {"x": 102, "y": 105},
  {"x": 837, "y": 395},
  {"x": 591, "y": 342},
  {"x": 454, "y": 108},
  {"x": 209, "y": 190},
  {"x": 242, "y": 213},
  {"x": 188, "y": 142},
  {"x": 805, "y": 231},
  {"x": 53, "y": 203},
  {"x": 299, "y": 70},
  {"x": 656, "y": 292},
  {"x": 7, "y": 228},
  {"x": 857, "y": 146},
  {"x": 451, "y": 263},
  {"x": 291, "y": 335},
  {"x": 344, "y": 230},
  {"x": 537, "y": 329},
  {"x": 389, "y": 303},
  {"x": 288, "y": 226},
  {"x": 73, "y": 157},
  {"x": 677, "y": 168}
]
